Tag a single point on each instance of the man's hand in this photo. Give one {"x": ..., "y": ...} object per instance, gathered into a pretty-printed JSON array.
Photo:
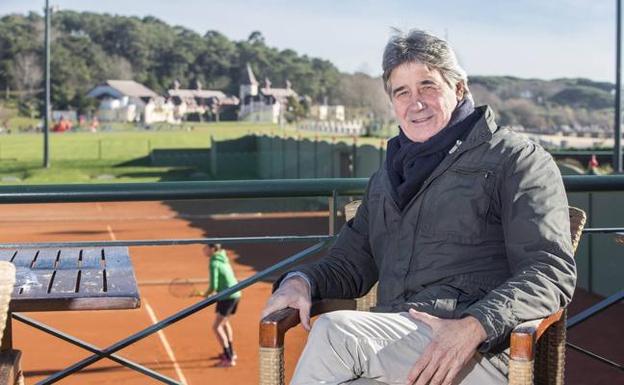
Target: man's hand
[
  {"x": 295, "y": 293},
  {"x": 453, "y": 344}
]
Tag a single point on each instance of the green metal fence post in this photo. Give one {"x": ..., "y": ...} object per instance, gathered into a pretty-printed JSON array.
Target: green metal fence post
[
  {"x": 333, "y": 201},
  {"x": 283, "y": 155},
  {"x": 213, "y": 157},
  {"x": 332, "y": 155},
  {"x": 298, "y": 156},
  {"x": 354, "y": 157},
  {"x": 316, "y": 156},
  {"x": 590, "y": 237}
]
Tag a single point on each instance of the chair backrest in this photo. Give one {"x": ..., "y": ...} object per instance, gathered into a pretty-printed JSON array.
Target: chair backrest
[
  {"x": 369, "y": 300},
  {"x": 577, "y": 222},
  {"x": 350, "y": 209},
  {"x": 7, "y": 280}
]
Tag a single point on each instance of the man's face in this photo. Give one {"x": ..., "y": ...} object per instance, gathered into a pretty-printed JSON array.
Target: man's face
[{"x": 423, "y": 102}]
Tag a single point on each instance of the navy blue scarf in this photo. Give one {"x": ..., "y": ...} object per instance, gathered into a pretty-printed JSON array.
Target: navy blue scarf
[{"x": 409, "y": 163}]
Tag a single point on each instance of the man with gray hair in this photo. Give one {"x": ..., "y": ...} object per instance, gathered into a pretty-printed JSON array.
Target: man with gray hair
[{"x": 465, "y": 226}]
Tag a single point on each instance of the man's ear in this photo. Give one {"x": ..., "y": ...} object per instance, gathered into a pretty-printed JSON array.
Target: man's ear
[{"x": 460, "y": 91}]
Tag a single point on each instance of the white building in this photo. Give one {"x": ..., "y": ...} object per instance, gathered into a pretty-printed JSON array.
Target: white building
[
  {"x": 129, "y": 101},
  {"x": 348, "y": 128},
  {"x": 199, "y": 101},
  {"x": 327, "y": 112},
  {"x": 265, "y": 104}
]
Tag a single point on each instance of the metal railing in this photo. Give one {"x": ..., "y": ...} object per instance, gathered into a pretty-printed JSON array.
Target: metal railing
[
  {"x": 109, "y": 351},
  {"x": 331, "y": 188},
  {"x": 275, "y": 188}
]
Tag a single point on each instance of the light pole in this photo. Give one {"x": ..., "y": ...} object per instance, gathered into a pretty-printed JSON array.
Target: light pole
[{"x": 46, "y": 125}]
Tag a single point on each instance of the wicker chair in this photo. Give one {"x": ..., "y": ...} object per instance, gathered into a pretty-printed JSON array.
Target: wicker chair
[
  {"x": 537, "y": 351},
  {"x": 10, "y": 370}
]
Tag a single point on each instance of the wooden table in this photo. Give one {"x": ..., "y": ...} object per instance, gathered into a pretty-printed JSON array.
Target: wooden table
[
  {"x": 72, "y": 279},
  {"x": 100, "y": 278}
]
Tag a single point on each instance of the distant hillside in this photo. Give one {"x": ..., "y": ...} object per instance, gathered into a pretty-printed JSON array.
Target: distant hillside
[
  {"x": 535, "y": 103},
  {"x": 89, "y": 48}
]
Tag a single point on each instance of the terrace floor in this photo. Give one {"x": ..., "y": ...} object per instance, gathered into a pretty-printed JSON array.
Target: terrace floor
[{"x": 601, "y": 334}]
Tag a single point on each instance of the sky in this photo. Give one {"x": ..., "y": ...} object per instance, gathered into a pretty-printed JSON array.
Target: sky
[{"x": 543, "y": 39}]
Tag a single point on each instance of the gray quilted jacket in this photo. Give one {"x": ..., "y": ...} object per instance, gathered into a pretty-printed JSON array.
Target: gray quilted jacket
[{"x": 487, "y": 235}]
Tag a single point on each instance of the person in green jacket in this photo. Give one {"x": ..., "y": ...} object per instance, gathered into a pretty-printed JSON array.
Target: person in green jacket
[{"x": 221, "y": 278}]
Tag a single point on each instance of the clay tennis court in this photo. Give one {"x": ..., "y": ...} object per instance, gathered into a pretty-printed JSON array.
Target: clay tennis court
[{"x": 187, "y": 350}]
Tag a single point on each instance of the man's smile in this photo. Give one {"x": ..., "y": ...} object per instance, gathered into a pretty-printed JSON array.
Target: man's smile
[{"x": 421, "y": 120}]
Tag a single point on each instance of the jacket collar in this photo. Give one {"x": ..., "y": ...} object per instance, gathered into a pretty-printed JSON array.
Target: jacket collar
[{"x": 482, "y": 132}]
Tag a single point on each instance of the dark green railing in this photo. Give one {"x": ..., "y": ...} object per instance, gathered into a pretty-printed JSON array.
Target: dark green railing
[
  {"x": 235, "y": 189},
  {"x": 181, "y": 190}
]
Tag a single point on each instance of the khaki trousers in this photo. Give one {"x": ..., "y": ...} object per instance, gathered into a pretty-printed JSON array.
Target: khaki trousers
[{"x": 352, "y": 347}]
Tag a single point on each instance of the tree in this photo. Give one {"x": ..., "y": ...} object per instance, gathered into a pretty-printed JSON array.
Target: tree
[
  {"x": 294, "y": 110},
  {"x": 26, "y": 72},
  {"x": 256, "y": 38},
  {"x": 366, "y": 94}
]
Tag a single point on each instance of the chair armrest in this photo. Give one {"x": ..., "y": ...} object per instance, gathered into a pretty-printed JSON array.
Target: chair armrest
[
  {"x": 524, "y": 337},
  {"x": 274, "y": 326}
]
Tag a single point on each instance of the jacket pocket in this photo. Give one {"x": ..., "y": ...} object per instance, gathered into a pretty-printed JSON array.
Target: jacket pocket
[
  {"x": 457, "y": 204},
  {"x": 437, "y": 300}
]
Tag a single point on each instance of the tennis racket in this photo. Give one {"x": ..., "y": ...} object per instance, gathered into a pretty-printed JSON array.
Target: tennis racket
[
  {"x": 183, "y": 288},
  {"x": 619, "y": 238}
]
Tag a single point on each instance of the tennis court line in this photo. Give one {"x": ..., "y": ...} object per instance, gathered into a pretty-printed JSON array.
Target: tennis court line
[
  {"x": 165, "y": 342},
  {"x": 161, "y": 334},
  {"x": 110, "y": 233}
]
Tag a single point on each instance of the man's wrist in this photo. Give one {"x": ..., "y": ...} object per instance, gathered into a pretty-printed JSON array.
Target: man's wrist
[
  {"x": 476, "y": 329},
  {"x": 301, "y": 276}
]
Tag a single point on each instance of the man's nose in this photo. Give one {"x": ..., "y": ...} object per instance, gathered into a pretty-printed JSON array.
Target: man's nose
[{"x": 416, "y": 103}]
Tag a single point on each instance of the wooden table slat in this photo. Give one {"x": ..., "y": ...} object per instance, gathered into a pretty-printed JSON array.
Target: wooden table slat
[
  {"x": 24, "y": 257},
  {"x": 31, "y": 283},
  {"x": 64, "y": 281},
  {"x": 91, "y": 282},
  {"x": 68, "y": 259},
  {"x": 91, "y": 258},
  {"x": 120, "y": 281},
  {"x": 116, "y": 257},
  {"x": 46, "y": 259}
]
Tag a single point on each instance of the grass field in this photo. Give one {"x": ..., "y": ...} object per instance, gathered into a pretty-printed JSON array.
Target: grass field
[
  {"x": 121, "y": 153},
  {"x": 112, "y": 156}
]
